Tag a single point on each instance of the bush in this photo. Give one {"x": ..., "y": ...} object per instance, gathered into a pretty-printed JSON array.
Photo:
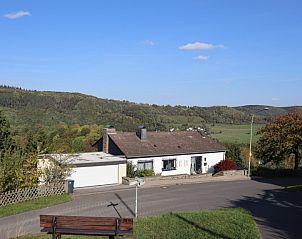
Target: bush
[
  {"x": 144, "y": 173},
  {"x": 131, "y": 172},
  {"x": 263, "y": 171},
  {"x": 234, "y": 152},
  {"x": 225, "y": 165}
]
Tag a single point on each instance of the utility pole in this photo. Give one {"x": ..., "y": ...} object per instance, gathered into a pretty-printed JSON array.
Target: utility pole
[
  {"x": 136, "y": 186},
  {"x": 251, "y": 139},
  {"x": 138, "y": 182}
]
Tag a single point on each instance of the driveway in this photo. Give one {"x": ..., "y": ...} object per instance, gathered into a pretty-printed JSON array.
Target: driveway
[{"x": 278, "y": 213}]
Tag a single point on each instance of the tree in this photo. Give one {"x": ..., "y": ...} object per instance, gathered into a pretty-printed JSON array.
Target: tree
[
  {"x": 233, "y": 152},
  {"x": 18, "y": 166},
  {"x": 28, "y": 173},
  {"x": 6, "y": 141},
  {"x": 9, "y": 157},
  {"x": 54, "y": 169},
  {"x": 281, "y": 138},
  {"x": 9, "y": 163}
]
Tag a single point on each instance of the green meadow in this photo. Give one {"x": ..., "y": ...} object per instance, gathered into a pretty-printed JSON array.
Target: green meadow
[{"x": 232, "y": 133}]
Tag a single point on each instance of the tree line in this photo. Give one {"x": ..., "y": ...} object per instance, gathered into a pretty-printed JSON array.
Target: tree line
[{"x": 26, "y": 108}]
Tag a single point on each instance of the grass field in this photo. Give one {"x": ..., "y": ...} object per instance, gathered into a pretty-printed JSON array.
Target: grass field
[
  {"x": 34, "y": 204},
  {"x": 232, "y": 223},
  {"x": 229, "y": 133}
]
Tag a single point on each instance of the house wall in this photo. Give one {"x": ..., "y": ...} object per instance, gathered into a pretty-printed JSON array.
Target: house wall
[
  {"x": 211, "y": 160},
  {"x": 122, "y": 172},
  {"x": 183, "y": 163}
]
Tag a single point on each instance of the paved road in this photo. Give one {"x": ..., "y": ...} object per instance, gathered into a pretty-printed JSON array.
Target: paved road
[{"x": 278, "y": 213}]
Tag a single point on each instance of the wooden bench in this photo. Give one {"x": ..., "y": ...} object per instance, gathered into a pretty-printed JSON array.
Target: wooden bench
[{"x": 75, "y": 225}]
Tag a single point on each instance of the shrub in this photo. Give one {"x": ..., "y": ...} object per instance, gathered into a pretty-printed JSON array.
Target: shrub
[
  {"x": 144, "y": 173},
  {"x": 225, "y": 165},
  {"x": 234, "y": 152},
  {"x": 131, "y": 172},
  {"x": 264, "y": 171}
]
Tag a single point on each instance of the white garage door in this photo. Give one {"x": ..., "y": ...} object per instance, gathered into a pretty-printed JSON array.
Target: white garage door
[{"x": 96, "y": 175}]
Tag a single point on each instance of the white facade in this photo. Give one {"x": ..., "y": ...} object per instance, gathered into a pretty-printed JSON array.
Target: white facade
[{"x": 182, "y": 164}]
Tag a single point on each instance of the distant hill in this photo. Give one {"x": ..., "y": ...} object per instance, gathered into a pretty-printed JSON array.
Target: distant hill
[
  {"x": 272, "y": 112},
  {"x": 30, "y": 109}
]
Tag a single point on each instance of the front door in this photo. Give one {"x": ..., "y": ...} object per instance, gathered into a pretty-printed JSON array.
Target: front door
[
  {"x": 196, "y": 164},
  {"x": 193, "y": 165}
]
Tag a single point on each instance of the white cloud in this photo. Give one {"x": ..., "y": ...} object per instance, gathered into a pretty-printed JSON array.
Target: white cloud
[
  {"x": 275, "y": 99},
  {"x": 201, "y": 58},
  {"x": 199, "y": 46},
  {"x": 148, "y": 43},
  {"x": 16, "y": 15}
]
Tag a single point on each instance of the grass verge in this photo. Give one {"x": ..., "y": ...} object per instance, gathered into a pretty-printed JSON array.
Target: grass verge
[
  {"x": 34, "y": 204},
  {"x": 232, "y": 223},
  {"x": 294, "y": 188}
]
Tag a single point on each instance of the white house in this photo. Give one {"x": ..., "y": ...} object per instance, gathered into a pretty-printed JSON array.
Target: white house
[
  {"x": 166, "y": 153},
  {"x": 90, "y": 169}
]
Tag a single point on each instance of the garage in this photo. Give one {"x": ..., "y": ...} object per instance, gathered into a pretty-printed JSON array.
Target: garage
[
  {"x": 95, "y": 175},
  {"x": 91, "y": 169}
]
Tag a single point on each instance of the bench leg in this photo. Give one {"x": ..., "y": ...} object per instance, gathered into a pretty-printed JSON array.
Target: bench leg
[
  {"x": 111, "y": 237},
  {"x": 57, "y": 235}
]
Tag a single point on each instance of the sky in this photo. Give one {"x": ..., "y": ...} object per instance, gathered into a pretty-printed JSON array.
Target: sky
[{"x": 204, "y": 52}]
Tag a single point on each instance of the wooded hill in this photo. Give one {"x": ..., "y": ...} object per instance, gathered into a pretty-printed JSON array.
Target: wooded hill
[{"x": 31, "y": 109}]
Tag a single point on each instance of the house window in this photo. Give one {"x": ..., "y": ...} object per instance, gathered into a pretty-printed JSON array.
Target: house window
[
  {"x": 145, "y": 165},
  {"x": 169, "y": 164}
]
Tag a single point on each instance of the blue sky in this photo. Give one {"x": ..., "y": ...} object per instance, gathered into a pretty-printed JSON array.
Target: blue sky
[{"x": 215, "y": 52}]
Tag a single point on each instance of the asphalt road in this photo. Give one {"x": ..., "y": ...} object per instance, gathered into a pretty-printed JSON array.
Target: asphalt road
[{"x": 278, "y": 213}]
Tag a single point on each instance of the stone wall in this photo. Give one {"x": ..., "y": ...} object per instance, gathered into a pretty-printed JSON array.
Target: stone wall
[{"x": 131, "y": 181}]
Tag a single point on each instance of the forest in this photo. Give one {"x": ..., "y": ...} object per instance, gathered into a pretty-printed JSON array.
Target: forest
[{"x": 28, "y": 109}]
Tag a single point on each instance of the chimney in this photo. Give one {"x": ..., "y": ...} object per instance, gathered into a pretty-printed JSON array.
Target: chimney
[
  {"x": 141, "y": 132},
  {"x": 108, "y": 129}
]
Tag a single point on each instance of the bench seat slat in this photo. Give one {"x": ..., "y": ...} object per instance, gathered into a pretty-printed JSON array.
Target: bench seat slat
[
  {"x": 89, "y": 232},
  {"x": 68, "y": 231}
]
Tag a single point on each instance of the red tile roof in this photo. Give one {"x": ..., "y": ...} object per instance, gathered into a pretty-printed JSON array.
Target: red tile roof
[{"x": 165, "y": 143}]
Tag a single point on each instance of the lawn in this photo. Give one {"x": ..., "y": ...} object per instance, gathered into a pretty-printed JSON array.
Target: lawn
[
  {"x": 34, "y": 204},
  {"x": 231, "y": 133},
  {"x": 294, "y": 188},
  {"x": 229, "y": 223}
]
